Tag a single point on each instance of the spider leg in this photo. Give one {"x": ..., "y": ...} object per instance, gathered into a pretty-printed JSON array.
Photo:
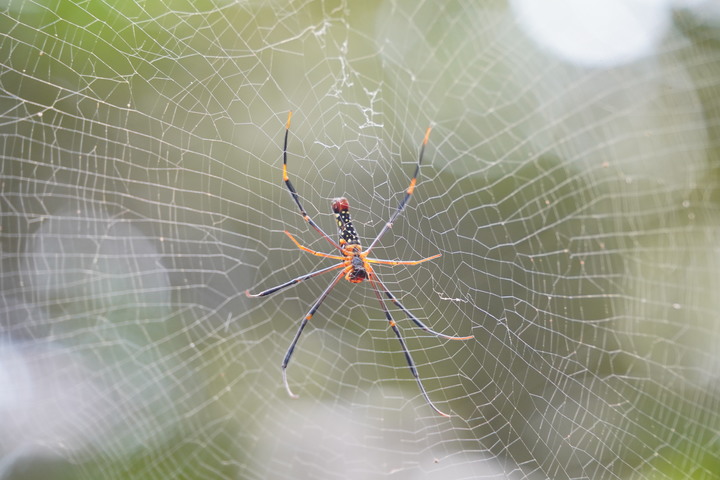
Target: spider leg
[
  {"x": 292, "y": 282},
  {"x": 294, "y": 193},
  {"x": 408, "y": 193},
  {"x": 373, "y": 279},
  {"x": 304, "y": 322},
  {"x": 412, "y": 317},
  {"x": 400, "y": 262},
  {"x": 319, "y": 254}
]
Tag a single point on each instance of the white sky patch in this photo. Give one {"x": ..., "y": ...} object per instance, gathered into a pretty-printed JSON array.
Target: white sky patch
[{"x": 595, "y": 33}]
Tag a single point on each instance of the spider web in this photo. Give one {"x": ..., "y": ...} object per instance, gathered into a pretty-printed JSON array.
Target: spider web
[{"x": 570, "y": 184}]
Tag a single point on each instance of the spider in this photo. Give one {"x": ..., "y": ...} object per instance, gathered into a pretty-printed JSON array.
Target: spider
[{"x": 355, "y": 266}]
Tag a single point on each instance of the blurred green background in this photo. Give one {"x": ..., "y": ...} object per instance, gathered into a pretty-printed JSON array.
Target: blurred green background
[{"x": 570, "y": 184}]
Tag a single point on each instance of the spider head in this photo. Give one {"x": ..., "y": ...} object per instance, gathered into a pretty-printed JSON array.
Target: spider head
[{"x": 358, "y": 272}]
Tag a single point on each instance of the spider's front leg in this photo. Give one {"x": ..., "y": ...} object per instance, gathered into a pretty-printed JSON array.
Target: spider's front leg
[
  {"x": 304, "y": 322},
  {"x": 292, "y": 282},
  {"x": 373, "y": 279},
  {"x": 412, "y": 317},
  {"x": 301, "y": 277}
]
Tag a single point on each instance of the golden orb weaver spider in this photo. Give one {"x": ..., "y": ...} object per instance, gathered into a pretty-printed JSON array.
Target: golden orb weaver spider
[{"x": 356, "y": 266}]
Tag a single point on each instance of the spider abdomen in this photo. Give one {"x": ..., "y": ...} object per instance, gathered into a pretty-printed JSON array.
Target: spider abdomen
[{"x": 348, "y": 235}]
